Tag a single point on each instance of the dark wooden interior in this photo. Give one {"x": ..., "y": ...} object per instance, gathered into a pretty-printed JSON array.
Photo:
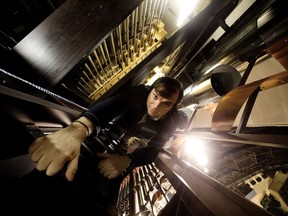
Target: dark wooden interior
[{"x": 44, "y": 45}]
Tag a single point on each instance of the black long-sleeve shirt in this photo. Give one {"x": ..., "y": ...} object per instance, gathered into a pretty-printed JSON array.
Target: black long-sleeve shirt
[{"x": 128, "y": 108}]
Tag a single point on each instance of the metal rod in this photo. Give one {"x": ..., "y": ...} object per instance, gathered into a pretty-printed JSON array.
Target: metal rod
[
  {"x": 100, "y": 65},
  {"x": 113, "y": 47},
  {"x": 127, "y": 32},
  {"x": 87, "y": 85},
  {"x": 97, "y": 73},
  {"x": 135, "y": 27},
  {"x": 105, "y": 61},
  {"x": 140, "y": 17},
  {"x": 160, "y": 13}
]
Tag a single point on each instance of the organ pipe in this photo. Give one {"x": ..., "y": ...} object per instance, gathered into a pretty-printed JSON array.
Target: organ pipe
[{"x": 126, "y": 46}]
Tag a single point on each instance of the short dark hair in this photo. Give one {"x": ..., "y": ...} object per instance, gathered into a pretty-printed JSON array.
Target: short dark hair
[{"x": 166, "y": 86}]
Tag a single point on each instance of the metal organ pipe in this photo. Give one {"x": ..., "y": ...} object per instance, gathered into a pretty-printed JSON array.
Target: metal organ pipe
[
  {"x": 135, "y": 38},
  {"x": 222, "y": 80},
  {"x": 248, "y": 38}
]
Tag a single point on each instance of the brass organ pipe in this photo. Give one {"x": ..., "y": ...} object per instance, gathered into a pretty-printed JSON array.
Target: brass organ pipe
[
  {"x": 107, "y": 53},
  {"x": 105, "y": 61},
  {"x": 140, "y": 29},
  {"x": 150, "y": 29},
  {"x": 113, "y": 68},
  {"x": 86, "y": 85},
  {"x": 83, "y": 87},
  {"x": 71, "y": 87},
  {"x": 138, "y": 47},
  {"x": 94, "y": 66},
  {"x": 132, "y": 53},
  {"x": 131, "y": 49},
  {"x": 163, "y": 8},
  {"x": 121, "y": 61},
  {"x": 143, "y": 34},
  {"x": 133, "y": 24},
  {"x": 100, "y": 65},
  {"x": 118, "y": 31},
  {"x": 157, "y": 8},
  {"x": 90, "y": 85},
  {"x": 145, "y": 13},
  {"x": 127, "y": 32},
  {"x": 152, "y": 16},
  {"x": 135, "y": 27},
  {"x": 125, "y": 52},
  {"x": 124, "y": 33},
  {"x": 140, "y": 18},
  {"x": 133, "y": 32},
  {"x": 127, "y": 57},
  {"x": 113, "y": 47},
  {"x": 88, "y": 68},
  {"x": 149, "y": 10}
]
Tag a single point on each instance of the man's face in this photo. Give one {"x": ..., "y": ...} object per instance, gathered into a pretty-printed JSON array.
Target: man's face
[{"x": 158, "y": 106}]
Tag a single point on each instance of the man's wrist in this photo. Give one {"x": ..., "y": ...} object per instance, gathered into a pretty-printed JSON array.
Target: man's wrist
[
  {"x": 88, "y": 132},
  {"x": 85, "y": 124}
]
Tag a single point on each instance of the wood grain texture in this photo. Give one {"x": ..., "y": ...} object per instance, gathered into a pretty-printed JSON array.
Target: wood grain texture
[{"x": 55, "y": 46}]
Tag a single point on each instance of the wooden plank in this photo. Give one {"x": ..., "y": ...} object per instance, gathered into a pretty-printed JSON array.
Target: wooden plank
[
  {"x": 55, "y": 46},
  {"x": 195, "y": 188}
]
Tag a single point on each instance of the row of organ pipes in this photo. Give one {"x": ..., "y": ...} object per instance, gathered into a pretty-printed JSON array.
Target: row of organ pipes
[
  {"x": 145, "y": 191},
  {"x": 126, "y": 46}
]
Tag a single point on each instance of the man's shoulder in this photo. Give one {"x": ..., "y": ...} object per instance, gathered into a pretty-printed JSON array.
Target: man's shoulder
[{"x": 177, "y": 117}]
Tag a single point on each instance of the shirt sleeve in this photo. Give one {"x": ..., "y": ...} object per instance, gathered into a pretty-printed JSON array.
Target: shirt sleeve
[{"x": 103, "y": 112}]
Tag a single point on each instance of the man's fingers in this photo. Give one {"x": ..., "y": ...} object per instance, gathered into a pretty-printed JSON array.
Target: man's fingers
[
  {"x": 35, "y": 145},
  {"x": 42, "y": 164},
  {"x": 34, "y": 154},
  {"x": 72, "y": 169},
  {"x": 54, "y": 168}
]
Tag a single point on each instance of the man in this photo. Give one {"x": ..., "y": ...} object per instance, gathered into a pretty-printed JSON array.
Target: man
[
  {"x": 146, "y": 117},
  {"x": 147, "y": 113}
]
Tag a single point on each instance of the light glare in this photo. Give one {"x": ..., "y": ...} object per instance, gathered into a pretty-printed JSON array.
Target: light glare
[
  {"x": 186, "y": 7},
  {"x": 195, "y": 150}
]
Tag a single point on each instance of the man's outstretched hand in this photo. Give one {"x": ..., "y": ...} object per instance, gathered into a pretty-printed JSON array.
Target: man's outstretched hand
[
  {"x": 112, "y": 165},
  {"x": 53, "y": 151}
]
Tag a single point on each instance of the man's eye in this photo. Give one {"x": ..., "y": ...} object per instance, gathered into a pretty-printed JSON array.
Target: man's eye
[{"x": 167, "y": 104}]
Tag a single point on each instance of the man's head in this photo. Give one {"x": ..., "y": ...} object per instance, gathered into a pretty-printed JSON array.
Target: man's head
[{"x": 166, "y": 93}]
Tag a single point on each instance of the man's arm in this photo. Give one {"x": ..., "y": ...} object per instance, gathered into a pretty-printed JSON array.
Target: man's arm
[{"x": 53, "y": 151}]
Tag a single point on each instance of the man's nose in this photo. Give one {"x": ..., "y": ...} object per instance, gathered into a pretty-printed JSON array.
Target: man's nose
[{"x": 156, "y": 104}]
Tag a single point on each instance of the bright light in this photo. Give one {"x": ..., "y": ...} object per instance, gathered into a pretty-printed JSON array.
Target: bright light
[
  {"x": 186, "y": 7},
  {"x": 195, "y": 149},
  {"x": 206, "y": 170},
  {"x": 202, "y": 160}
]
